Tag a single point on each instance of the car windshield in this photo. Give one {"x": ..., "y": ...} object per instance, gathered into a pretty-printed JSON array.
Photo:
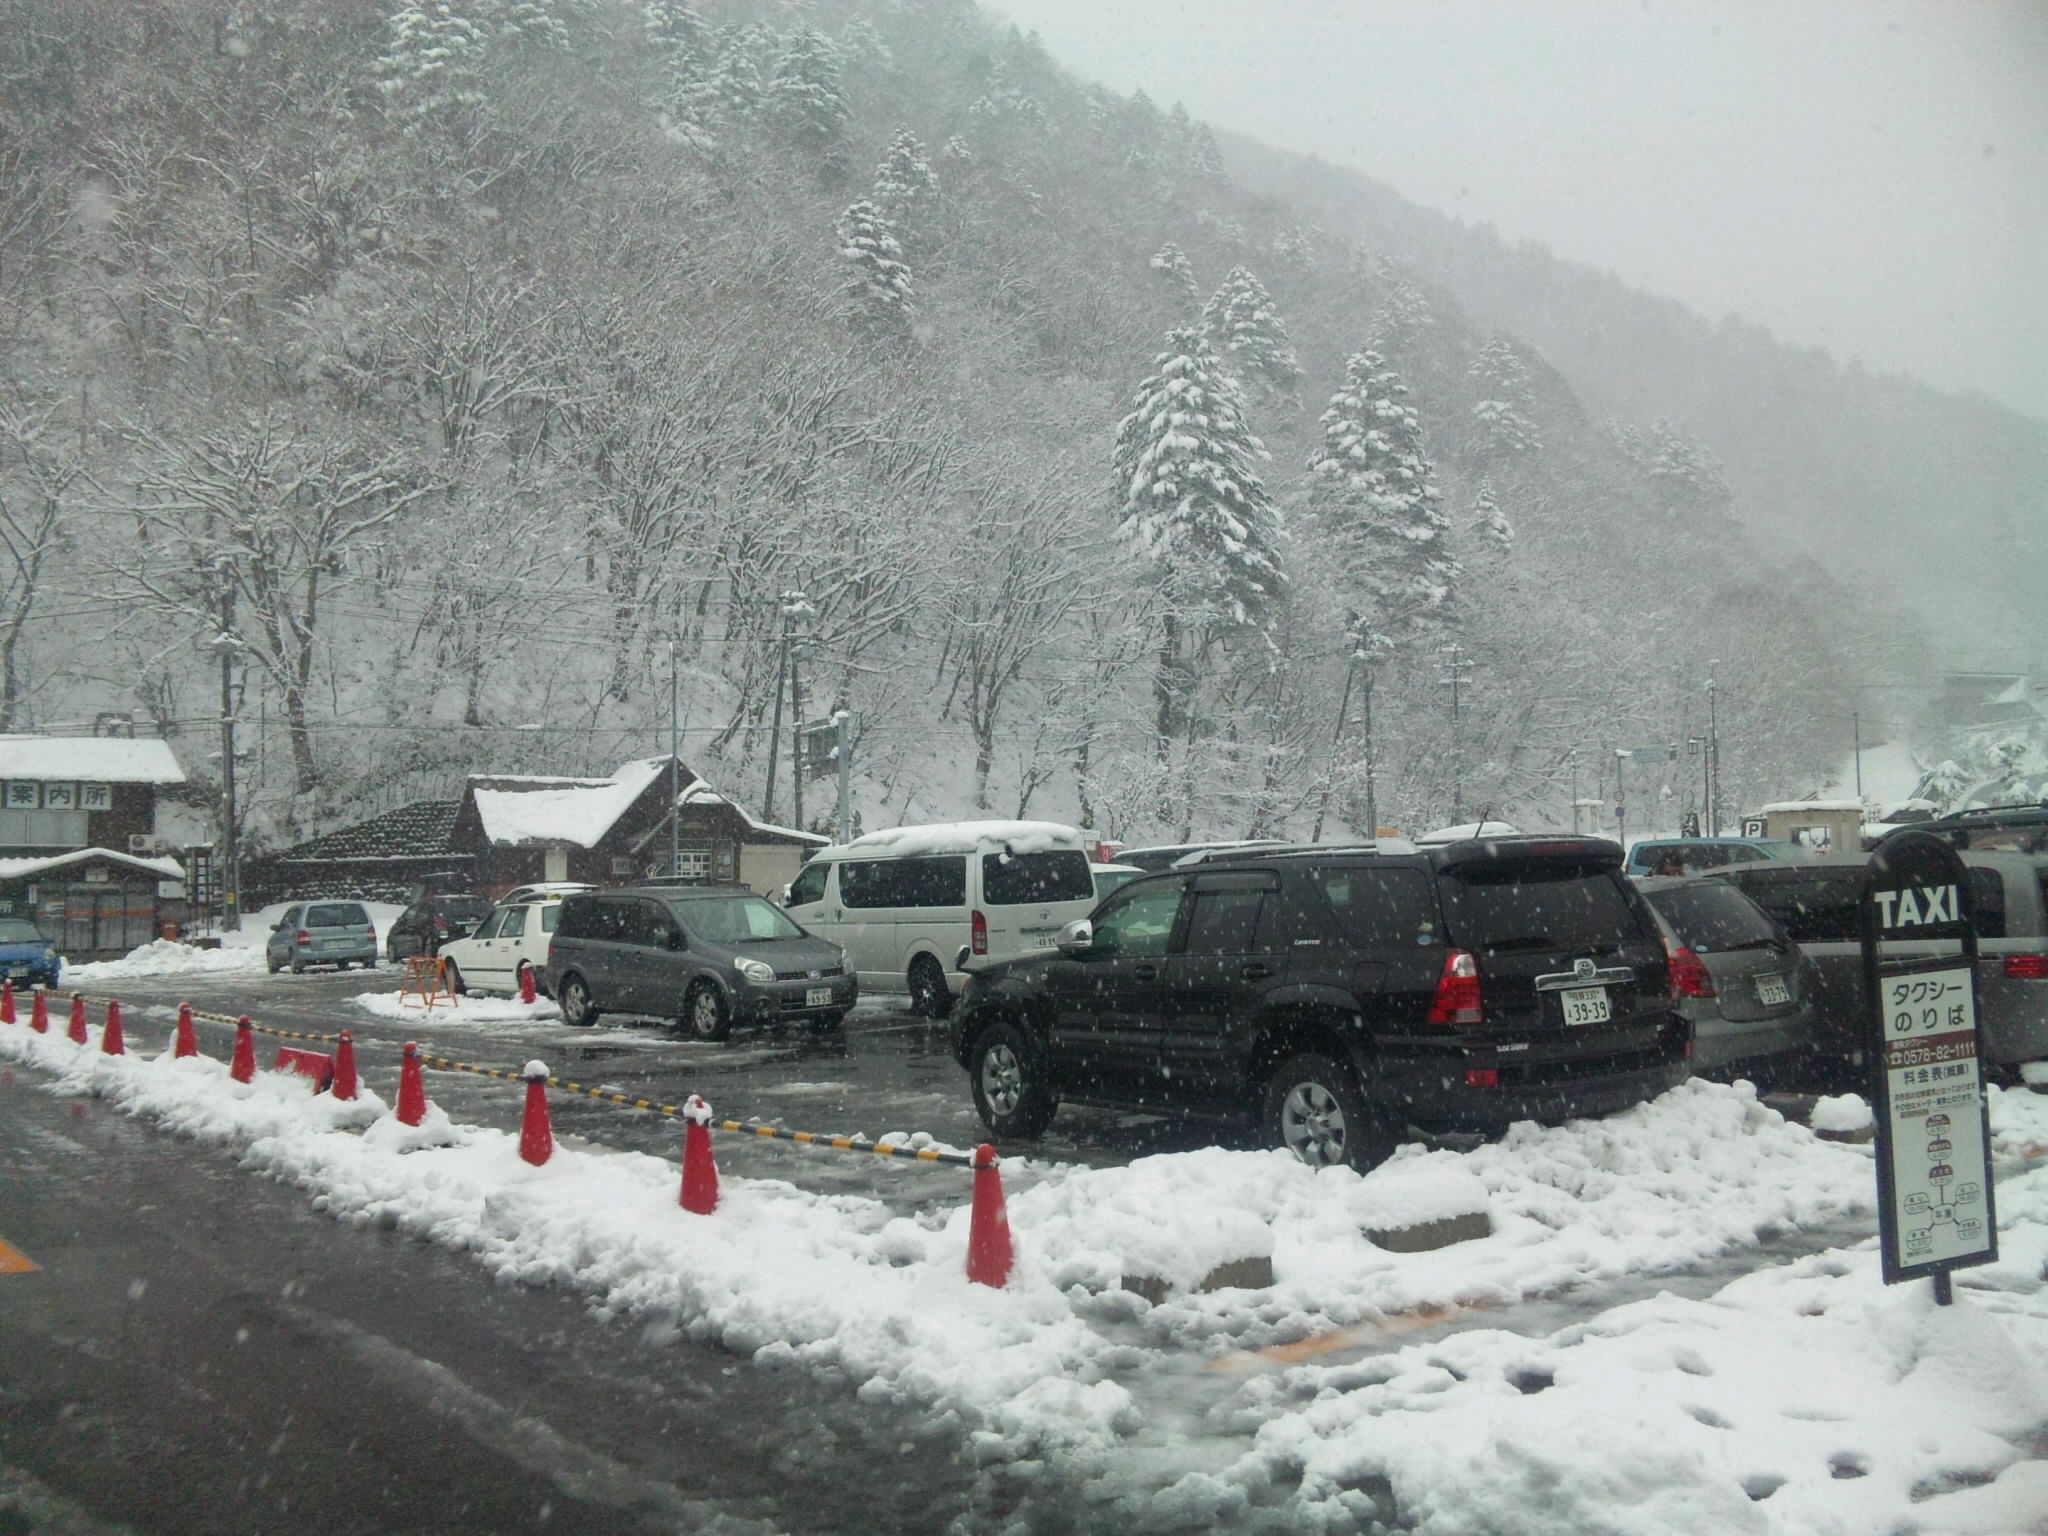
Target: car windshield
[
  {"x": 736, "y": 920},
  {"x": 15, "y": 930}
]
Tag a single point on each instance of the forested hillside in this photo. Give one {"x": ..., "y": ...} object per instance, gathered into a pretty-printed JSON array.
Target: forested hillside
[{"x": 475, "y": 363}]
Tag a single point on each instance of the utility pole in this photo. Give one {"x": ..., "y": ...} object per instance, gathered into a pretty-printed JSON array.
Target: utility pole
[
  {"x": 675, "y": 772},
  {"x": 1337, "y": 735},
  {"x": 1713, "y": 757},
  {"x": 775, "y": 727},
  {"x": 844, "y": 721},
  {"x": 1571, "y": 763},
  {"x": 1856, "y": 735},
  {"x": 1455, "y": 667},
  {"x": 227, "y": 645}
]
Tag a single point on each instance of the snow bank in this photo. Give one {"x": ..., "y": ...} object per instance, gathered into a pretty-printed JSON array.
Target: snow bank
[{"x": 1801, "y": 1398}]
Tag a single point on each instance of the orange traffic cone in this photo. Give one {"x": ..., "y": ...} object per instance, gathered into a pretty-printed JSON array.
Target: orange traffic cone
[
  {"x": 112, "y": 1041},
  {"x": 39, "y": 1015},
  {"x": 345, "y": 1080},
  {"x": 7, "y": 1001},
  {"x": 243, "y": 1068},
  {"x": 989, "y": 1255},
  {"x": 700, "y": 1169},
  {"x": 187, "y": 1044},
  {"x": 412, "y": 1088},
  {"x": 77, "y": 1029},
  {"x": 527, "y": 994},
  {"x": 536, "y": 1136}
]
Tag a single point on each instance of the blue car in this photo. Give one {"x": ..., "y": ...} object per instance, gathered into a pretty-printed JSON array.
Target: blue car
[{"x": 26, "y": 957}]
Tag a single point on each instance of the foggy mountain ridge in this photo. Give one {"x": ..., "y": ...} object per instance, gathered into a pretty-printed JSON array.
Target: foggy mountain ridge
[
  {"x": 1876, "y": 464},
  {"x": 461, "y": 360}
]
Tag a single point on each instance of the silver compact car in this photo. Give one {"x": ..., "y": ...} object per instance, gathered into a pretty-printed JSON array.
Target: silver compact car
[{"x": 1739, "y": 977}]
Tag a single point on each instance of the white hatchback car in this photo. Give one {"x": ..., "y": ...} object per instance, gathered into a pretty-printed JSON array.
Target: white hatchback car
[{"x": 512, "y": 939}]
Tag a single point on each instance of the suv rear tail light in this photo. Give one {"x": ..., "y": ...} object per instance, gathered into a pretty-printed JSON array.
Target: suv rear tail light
[
  {"x": 980, "y": 933},
  {"x": 440, "y": 925},
  {"x": 1689, "y": 976},
  {"x": 2027, "y": 967},
  {"x": 302, "y": 937},
  {"x": 1457, "y": 990},
  {"x": 373, "y": 935}
]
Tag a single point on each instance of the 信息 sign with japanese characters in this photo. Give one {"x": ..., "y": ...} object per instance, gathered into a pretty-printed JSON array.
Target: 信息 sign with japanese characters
[{"x": 1933, "y": 1140}]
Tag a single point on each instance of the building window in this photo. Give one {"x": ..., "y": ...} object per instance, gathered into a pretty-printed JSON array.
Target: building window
[{"x": 43, "y": 829}]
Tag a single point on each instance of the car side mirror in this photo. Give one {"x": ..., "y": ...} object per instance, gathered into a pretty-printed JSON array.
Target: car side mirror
[{"x": 1077, "y": 937}]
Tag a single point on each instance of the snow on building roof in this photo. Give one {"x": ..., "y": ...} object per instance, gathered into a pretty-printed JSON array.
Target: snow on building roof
[
  {"x": 21, "y": 869},
  {"x": 967, "y": 837},
  {"x": 98, "y": 759},
  {"x": 700, "y": 793},
  {"x": 575, "y": 811},
  {"x": 1792, "y": 807}
]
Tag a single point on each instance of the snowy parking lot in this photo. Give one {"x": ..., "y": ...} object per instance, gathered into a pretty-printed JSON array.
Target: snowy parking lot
[{"x": 1442, "y": 1388}]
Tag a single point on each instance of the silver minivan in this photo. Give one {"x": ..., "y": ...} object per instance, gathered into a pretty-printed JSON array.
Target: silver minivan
[
  {"x": 918, "y": 908},
  {"x": 336, "y": 933}
]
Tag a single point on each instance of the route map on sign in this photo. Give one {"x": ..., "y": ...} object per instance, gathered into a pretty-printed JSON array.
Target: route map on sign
[{"x": 1940, "y": 1185}]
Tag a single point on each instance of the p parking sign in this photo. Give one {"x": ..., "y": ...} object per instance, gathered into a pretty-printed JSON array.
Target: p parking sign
[{"x": 1933, "y": 1138}]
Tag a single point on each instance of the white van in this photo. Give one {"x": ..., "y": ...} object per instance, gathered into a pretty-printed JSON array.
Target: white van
[{"x": 916, "y": 907}]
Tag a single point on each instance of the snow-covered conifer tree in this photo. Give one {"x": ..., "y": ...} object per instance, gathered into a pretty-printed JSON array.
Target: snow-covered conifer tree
[
  {"x": 431, "y": 60},
  {"x": 1379, "y": 492},
  {"x": 1248, "y": 333},
  {"x": 1191, "y": 501},
  {"x": 1189, "y": 495},
  {"x": 804, "y": 96},
  {"x": 1490, "y": 526},
  {"x": 1500, "y": 415},
  {"x": 878, "y": 285},
  {"x": 1173, "y": 266},
  {"x": 905, "y": 181}
]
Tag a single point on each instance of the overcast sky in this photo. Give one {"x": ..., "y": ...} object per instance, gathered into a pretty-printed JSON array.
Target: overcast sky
[{"x": 1868, "y": 175}]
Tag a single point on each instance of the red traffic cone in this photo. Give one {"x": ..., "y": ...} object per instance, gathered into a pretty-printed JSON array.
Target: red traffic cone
[
  {"x": 700, "y": 1169},
  {"x": 77, "y": 1029},
  {"x": 243, "y": 1068},
  {"x": 7, "y": 1001},
  {"x": 345, "y": 1081},
  {"x": 989, "y": 1255},
  {"x": 187, "y": 1044},
  {"x": 112, "y": 1041},
  {"x": 536, "y": 1136},
  {"x": 527, "y": 994},
  {"x": 412, "y": 1088},
  {"x": 39, "y": 1015}
]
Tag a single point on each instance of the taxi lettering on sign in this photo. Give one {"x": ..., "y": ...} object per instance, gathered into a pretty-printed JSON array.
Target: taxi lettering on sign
[{"x": 1933, "y": 1139}]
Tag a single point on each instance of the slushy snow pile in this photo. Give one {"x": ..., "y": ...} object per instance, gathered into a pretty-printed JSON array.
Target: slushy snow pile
[{"x": 1802, "y": 1397}]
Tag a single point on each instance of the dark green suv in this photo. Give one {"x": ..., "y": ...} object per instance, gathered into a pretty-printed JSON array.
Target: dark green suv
[{"x": 1341, "y": 996}]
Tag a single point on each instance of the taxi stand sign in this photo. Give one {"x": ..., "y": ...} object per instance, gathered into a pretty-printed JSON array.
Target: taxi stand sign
[{"x": 1933, "y": 1133}]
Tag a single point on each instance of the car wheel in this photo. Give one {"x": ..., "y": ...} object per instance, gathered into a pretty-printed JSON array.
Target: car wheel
[
  {"x": 298, "y": 966},
  {"x": 928, "y": 996},
  {"x": 370, "y": 963},
  {"x": 704, "y": 1012},
  {"x": 1011, "y": 1091},
  {"x": 274, "y": 963},
  {"x": 577, "y": 1008},
  {"x": 456, "y": 984},
  {"x": 1313, "y": 1108}
]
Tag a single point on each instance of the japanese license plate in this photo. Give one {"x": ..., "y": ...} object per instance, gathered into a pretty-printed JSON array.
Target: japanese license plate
[
  {"x": 1584, "y": 1005},
  {"x": 817, "y": 997},
  {"x": 1045, "y": 938},
  {"x": 1772, "y": 989}
]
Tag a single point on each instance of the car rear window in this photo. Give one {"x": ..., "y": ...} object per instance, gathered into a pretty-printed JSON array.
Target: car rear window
[
  {"x": 16, "y": 930},
  {"x": 1813, "y": 908},
  {"x": 1510, "y": 907},
  {"x": 336, "y": 914},
  {"x": 1712, "y": 918},
  {"x": 468, "y": 908},
  {"x": 1019, "y": 879}
]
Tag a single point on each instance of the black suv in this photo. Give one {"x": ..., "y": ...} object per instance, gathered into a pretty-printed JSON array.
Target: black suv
[
  {"x": 1341, "y": 994},
  {"x": 430, "y": 922}
]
